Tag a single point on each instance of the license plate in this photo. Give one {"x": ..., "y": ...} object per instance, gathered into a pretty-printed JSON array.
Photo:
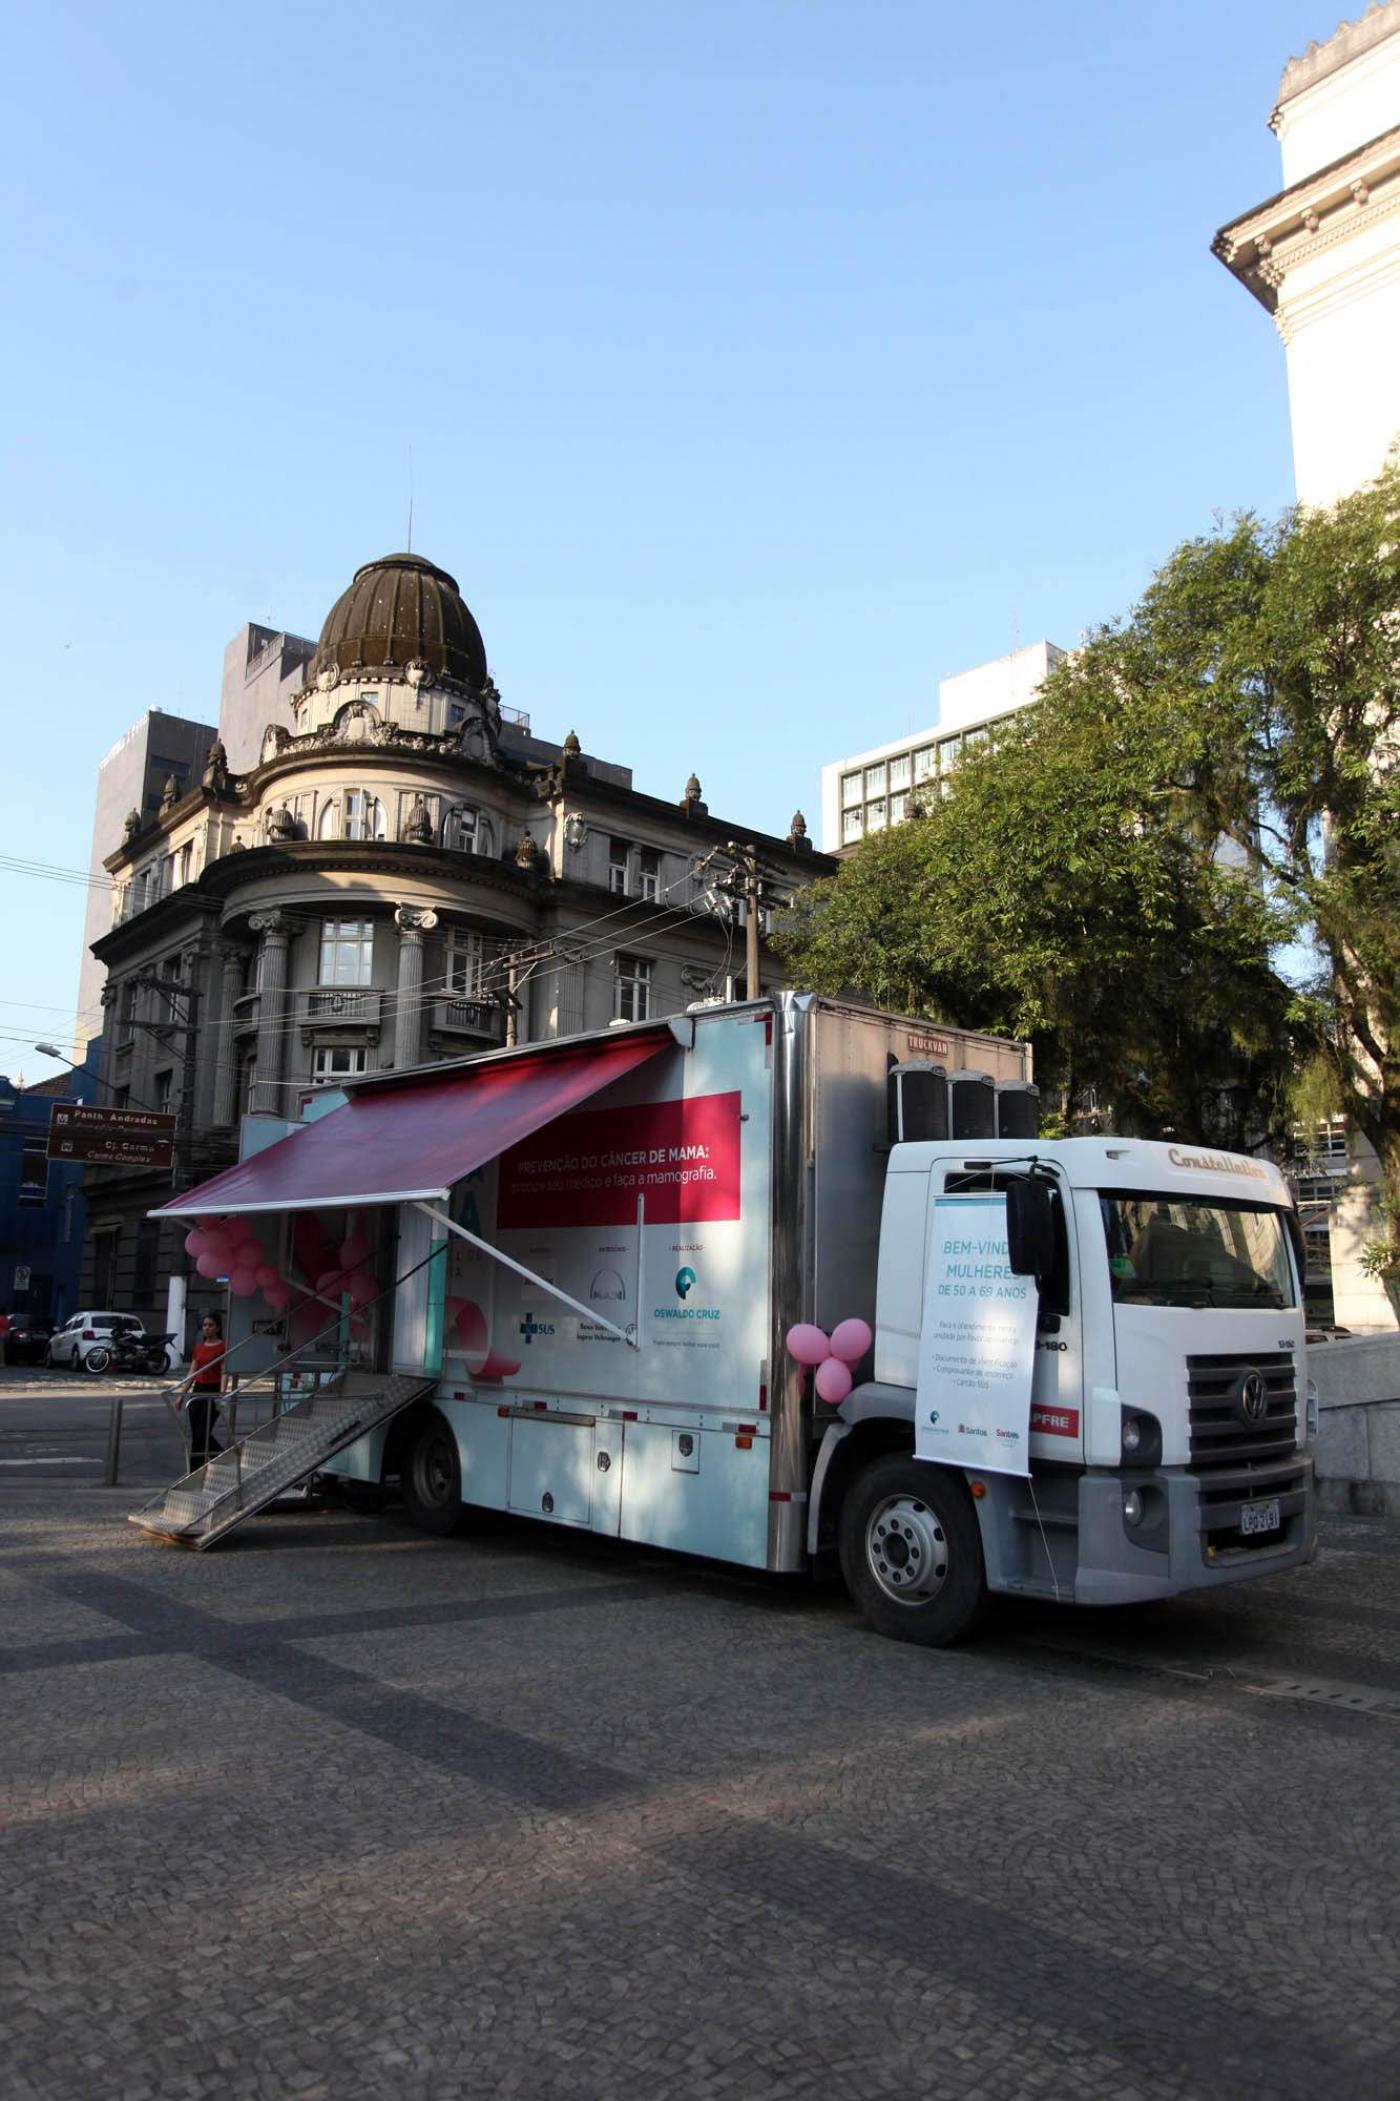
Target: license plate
[{"x": 1260, "y": 1517}]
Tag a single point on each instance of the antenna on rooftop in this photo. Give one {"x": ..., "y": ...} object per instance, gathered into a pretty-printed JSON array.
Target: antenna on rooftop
[{"x": 410, "y": 500}]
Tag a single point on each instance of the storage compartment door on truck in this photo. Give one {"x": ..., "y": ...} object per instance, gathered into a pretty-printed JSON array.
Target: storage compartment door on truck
[{"x": 1057, "y": 1389}]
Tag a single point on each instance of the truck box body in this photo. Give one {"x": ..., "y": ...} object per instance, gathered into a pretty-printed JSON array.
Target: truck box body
[{"x": 755, "y": 1161}]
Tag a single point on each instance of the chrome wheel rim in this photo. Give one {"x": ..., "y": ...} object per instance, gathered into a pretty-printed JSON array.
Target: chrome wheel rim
[{"x": 907, "y": 1550}]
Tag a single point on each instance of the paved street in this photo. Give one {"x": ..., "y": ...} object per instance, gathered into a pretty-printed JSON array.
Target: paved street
[
  {"x": 337, "y": 1810},
  {"x": 54, "y": 1426}
]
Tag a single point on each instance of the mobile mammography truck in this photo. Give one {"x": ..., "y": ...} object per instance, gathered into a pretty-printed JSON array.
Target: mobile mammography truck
[{"x": 590, "y": 1257}]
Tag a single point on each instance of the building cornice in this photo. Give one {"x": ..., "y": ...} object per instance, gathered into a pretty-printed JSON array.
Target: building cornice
[
  {"x": 1303, "y": 222},
  {"x": 1348, "y": 42}
]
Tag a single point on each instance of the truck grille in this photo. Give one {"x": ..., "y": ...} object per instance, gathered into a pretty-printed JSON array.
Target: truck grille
[{"x": 1240, "y": 1460}]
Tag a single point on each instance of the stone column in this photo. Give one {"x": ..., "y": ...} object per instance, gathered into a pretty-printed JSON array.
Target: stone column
[
  {"x": 276, "y": 931},
  {"x": 228, "y": 960},
  {"x": 412, "y": 922}
]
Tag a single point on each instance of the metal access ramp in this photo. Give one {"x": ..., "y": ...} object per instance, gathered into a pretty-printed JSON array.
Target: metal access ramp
[{"x": 277, "y": 1455}]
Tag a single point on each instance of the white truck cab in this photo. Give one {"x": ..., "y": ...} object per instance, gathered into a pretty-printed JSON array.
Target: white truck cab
[{"x": 1168, "y": 1424}]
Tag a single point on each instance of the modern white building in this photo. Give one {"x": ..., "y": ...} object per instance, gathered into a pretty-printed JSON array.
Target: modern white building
[
  {"x": 1323, "y": 255},
  {"x": 872, "y": 789}
]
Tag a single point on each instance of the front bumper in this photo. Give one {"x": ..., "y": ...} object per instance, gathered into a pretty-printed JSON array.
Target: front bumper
[{"x": 1189, "y": 1540}]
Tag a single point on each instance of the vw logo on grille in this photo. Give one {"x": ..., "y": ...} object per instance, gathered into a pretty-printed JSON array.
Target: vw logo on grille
[{"x": 1252, "y": 1398}]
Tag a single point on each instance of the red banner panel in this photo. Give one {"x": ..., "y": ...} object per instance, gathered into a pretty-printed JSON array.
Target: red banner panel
[{"x": 589, "y": 1169}]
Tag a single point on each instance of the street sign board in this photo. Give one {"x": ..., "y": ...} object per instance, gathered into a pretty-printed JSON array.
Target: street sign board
[{"x": 111, "y": 1137}]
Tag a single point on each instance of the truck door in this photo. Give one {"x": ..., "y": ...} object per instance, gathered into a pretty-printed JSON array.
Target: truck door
[{"x": 1057, "y": 1389}]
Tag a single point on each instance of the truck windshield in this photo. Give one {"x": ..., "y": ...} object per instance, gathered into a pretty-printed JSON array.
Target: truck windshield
[{"x": 1192, "y": 1251}]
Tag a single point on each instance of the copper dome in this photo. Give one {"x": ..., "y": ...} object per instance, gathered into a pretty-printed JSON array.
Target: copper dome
[{"x": 398, "y": 611}]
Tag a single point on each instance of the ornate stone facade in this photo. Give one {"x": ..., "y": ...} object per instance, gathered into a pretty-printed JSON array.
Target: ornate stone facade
[{"x": 405, "y": 874}]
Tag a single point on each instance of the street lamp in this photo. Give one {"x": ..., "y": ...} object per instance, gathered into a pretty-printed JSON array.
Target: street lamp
[{"x": 51, "y": 1050}]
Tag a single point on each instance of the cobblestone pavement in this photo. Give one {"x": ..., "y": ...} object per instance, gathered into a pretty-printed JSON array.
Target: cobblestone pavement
[{"x": 337, "y": 1810}]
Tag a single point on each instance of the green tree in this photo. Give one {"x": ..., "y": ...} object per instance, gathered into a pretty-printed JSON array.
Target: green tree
[{"x": 1205, "y": 787}]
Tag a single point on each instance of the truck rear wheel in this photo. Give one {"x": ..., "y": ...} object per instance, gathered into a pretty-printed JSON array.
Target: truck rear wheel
[
  {"x": 430, "y": 1476},
  {"x": 911, "y": 1552}
]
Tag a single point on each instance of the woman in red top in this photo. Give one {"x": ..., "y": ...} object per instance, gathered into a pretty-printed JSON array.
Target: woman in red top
[{"x": 202, "y": 1390}]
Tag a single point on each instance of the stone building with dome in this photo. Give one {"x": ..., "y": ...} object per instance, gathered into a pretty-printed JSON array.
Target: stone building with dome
[{"x": 406, "y": 874}]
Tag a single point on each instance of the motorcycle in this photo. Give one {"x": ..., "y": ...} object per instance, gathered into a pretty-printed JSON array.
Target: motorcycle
[{"x": 132, "y": 1353}]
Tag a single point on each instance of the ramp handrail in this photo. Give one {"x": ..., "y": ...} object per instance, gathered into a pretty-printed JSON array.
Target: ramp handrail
[{"x": 270, "y": 1371}]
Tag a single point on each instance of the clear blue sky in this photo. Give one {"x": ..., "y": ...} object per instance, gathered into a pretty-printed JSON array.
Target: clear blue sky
[{"x": 761, "y": 361}]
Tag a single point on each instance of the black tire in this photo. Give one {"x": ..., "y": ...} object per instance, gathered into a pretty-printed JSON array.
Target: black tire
[
  {"x": 97, "y": 1360},
  {"x": 911, "y": 1551},
  {"x": 154, "y": 1363},
  {"x": 49, "y": 1364},
  {"x": 430, "y": 1476}
]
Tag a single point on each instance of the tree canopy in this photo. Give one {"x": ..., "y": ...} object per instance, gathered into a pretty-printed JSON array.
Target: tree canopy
[{"x": 1178, "y": 872}]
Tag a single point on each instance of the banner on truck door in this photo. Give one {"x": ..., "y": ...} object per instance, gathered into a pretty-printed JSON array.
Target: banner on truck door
[
  {"x": 588, "y": 1169},
  {"x": 977, "y": 1349}
]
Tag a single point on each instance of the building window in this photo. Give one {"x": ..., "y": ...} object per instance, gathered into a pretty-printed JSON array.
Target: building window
[
  {"x": 874, "y": 780},
  {"x": 187, "y": 860},
  {"x": 347, "y": 952},
  {"x": 463, "y": 964},
  {"x": 852, "y": 826},
  {"x": 364, "y": 815},
  {"x": 948, "y": 751},
  {"x": 164, "y": 1087},
  {"x": 875, "y": 816},
  {"x": 649, "y": 874},
  {"x": 899, "y": 772},
  {"x": 632, "y": 989},
  {"x": 850, "y": 790},
  {"x": 333, "y": 1062},
  {"x": 33, "y": 1174},
  {"x": 619, "y": 858},
  {"x": 461, "y": 830},
  {"x": 328, "y": 823},
  {"x": 899, "y": 805},
  {"x": 926, "y": 763}
]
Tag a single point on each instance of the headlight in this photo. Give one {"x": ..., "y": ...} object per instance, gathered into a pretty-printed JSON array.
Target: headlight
[
  {"x": 1132, "y": 1507},
  {"x": 1132, "y": 1434}
]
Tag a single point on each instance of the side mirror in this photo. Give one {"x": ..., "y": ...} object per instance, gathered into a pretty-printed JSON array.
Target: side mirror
[{"x": 1030, "y": 1228}]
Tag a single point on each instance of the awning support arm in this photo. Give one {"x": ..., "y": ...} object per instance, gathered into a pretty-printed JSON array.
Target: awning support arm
[{"x": 589, "y": 1313}]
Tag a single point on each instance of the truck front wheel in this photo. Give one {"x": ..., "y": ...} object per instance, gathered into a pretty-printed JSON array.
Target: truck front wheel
[
  {"x": 911, "y": 1552},
  {"x": 431, "y": 1477}
]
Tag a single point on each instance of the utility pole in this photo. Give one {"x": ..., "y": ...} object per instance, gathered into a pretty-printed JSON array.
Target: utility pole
[{"x": 746, "y": 881}]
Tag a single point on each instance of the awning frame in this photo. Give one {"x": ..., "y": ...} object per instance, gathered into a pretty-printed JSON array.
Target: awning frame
[{"x": 532, "y": 1276}]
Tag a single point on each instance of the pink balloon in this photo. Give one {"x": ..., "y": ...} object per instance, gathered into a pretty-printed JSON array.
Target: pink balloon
[
  {"x": 277, "y": 1294},
  {"x": 249, "y": 1253},
  {"x": 210, "y": 1265},
  {"x": 242, "y": 1283},
  {"x": 833, "y": 1381},
  {"x": 233, "y": 1228},
  {"x": 808, "y": 1344},
  {"x": 354, "y": 1251},
  {"x": 330, "y": 1283},
  {"x": 850, "y": 1339},
  {"x": 362, "y": 1287},
  {"x": 266, "y": 1273}
]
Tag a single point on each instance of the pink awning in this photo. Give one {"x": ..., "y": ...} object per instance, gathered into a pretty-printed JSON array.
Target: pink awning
[{"x": 394, "y": 1143}]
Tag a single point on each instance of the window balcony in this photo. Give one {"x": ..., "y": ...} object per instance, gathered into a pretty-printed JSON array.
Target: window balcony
[
  {"x": 480, "y": 1019},
  {"x": 245, "y": 1013},
  {"x": 340, "y": 1006}
]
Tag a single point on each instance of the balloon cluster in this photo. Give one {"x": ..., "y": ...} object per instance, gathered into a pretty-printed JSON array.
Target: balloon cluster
[
  {"x": 227, "y": 1247},
  {"x": 832, "y": 1357}
]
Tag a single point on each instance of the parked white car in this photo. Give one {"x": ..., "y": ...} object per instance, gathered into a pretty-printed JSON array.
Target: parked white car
[{"x": 85, "y": 1342}]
